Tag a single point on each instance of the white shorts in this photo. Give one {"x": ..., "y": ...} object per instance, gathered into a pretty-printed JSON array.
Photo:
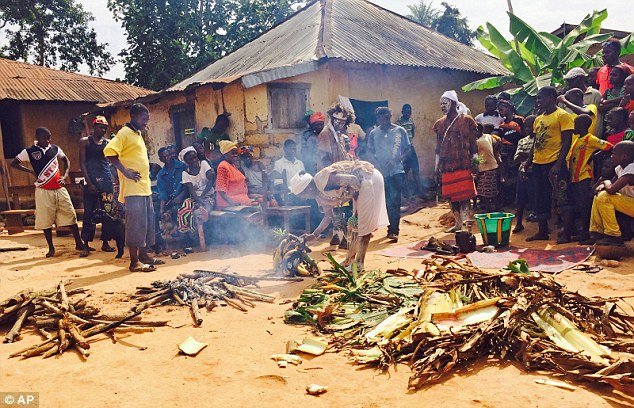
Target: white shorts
[{"x": 53, "y": 207}]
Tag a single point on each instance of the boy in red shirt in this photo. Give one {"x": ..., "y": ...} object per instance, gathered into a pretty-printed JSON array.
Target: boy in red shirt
[{"x": 52, "y": 202}]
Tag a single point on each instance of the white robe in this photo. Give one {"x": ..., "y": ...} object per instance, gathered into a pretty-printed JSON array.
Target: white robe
[{"x": 370, "y": 203}]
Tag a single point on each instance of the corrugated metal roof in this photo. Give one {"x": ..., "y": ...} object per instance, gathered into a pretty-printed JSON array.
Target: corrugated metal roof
[
  {"x": 291, "y": 42},
  {"x": 365, "y": 32},
  {"x": 351, "y": 30},
  {"x": 26, "y": 82}
]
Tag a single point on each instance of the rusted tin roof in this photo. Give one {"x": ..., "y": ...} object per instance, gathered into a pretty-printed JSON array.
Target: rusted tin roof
[
  {"x": 26, "y": 82},
  {"x": 350, "y": 30}
]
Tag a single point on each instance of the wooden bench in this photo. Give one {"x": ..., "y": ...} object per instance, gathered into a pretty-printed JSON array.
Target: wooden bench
[
  {"x": 286, "y": 212},
  {"x": 15, "y": 222},
  {"x": 74, "y": 190}
]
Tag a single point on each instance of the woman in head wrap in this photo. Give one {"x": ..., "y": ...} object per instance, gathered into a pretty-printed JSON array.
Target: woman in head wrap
[
  {"x": 198, "y": 179},
  {"x": 342, "y": 181},
  {"x": 456, "y": 155},
  {"x": 231, "y": 185}
]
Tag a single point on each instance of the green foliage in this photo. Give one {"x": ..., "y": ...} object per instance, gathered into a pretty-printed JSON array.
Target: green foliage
[
  {"x": 423, "y": 13},
  {"x": 448, "y": 21},
  {"x": 518, "y": 266},
  {"x": 52, "y": 33},
  {"x": 170, "y": 40},
  {"x": 537, "y": 59}
]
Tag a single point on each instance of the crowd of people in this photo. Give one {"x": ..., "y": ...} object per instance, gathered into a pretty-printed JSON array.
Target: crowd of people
[
  {"x": 573, "y": 159},
  {"x": 557, "y": 162}
]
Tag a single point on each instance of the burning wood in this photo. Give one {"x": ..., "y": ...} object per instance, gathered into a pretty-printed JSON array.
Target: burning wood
[
  {"x": 449, "y": 314},
  {"x": 204, "y": 289}
]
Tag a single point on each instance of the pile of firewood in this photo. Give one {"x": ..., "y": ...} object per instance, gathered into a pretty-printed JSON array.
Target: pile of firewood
[
  {"x": 205, "y": 289},
  {"x": 64, "y": 321}
]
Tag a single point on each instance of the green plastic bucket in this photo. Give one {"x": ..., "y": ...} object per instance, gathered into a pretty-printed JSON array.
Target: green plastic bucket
[{"x": 495, "y": 228}]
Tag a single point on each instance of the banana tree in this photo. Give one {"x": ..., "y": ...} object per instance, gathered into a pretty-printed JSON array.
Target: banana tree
[{"x": 537, "y": 59}]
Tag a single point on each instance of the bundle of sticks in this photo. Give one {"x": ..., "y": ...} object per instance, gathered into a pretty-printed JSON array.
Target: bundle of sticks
[
  {"x": 205, "y": 289},
  {"x": 63, "y": 321}
]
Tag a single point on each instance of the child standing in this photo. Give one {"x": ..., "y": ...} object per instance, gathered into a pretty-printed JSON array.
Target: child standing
[
  {"x": 52, "y": 202},
  {"x": 584, "y": 146},
  {"x": 524, "y": 183},
  {"x": 487, "y": 182},
  {"x": 614, "y": 195}
]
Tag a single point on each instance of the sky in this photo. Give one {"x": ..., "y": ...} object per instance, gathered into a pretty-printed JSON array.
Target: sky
[{"x": 544, "y": 15}]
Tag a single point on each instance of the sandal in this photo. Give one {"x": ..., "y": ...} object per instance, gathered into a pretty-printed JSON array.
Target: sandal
[
  {"x": 588, "y": 268},
  {"x": 141, "y": 267},
  {"x": 154, "y": 261}
]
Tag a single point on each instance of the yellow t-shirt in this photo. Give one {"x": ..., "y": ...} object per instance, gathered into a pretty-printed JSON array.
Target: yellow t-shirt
[
  {"x": 593, "y": 108},
  {"x": 548, "y": 129},
  {"x": 129, "y": 146},
  {"x": 580, "y": 152}
]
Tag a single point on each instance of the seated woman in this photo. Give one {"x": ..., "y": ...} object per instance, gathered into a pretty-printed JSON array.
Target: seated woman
[
  {"x": 348, "y": 180},
  {"x": 231, "y": 185},
  {"x": 198, "y": 179}
]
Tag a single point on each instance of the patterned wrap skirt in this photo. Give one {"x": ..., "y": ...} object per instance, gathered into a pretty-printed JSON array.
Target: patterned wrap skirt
[{"x": 488, "y": 184}]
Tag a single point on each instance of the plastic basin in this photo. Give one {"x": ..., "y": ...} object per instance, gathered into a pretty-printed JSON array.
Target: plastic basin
[{"x": 495, "y": 228}]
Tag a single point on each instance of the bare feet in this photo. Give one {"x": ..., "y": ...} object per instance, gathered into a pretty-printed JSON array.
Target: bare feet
[{"x": 50, "y": 253}]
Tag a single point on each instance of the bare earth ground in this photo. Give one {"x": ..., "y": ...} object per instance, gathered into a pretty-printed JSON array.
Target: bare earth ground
[{"x": 235, "y": 370}]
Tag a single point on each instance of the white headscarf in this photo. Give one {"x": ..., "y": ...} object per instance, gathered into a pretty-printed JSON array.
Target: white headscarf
[
  {"x": 453, "y": 96},
  {"x": 299, "y": 182},
  {"x": 181, "y": 155}
]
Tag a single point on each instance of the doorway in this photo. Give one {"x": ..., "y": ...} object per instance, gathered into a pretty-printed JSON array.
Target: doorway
[
  {"x": 364, "y": 112},
  {"x": 184, "y": 123},
  {"x": 10, "y": 121}
]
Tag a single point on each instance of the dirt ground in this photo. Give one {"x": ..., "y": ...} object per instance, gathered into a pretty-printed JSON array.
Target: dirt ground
[{"x": 235, "y": 370}]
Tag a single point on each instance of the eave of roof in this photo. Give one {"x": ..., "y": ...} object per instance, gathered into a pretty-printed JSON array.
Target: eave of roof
[{"x": 26, "y": 82}]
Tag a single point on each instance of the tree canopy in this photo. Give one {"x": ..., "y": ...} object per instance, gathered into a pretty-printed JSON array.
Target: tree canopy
[
  {"x": 169, "y": 40},
  {"x": 448, "y": 21},
  {"x": 52, "y": 33}
]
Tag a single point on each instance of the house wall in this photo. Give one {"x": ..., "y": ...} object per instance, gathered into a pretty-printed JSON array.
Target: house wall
[
  {"x": 55, "y": 116},
  {"x": 421, "y": 87}
]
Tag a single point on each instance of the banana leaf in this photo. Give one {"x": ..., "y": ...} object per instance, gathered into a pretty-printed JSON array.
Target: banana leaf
[
  {"x": 627, "y": 44},
  {"x": 526, "y": 34},
  {"x": 523, "y": 101},
  {"x": 567, "y": 335},
  {"x": 517, "y": 65},
  {"x": 591, "y": 24},
  {"x": 488, "y": 83},
  {"x": 485, "y": 40}
]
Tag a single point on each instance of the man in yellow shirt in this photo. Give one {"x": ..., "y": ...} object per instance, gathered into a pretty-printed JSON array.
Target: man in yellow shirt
[
  {"x": 553, "y": 137},
  {"x": 128, "y": 154}
]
